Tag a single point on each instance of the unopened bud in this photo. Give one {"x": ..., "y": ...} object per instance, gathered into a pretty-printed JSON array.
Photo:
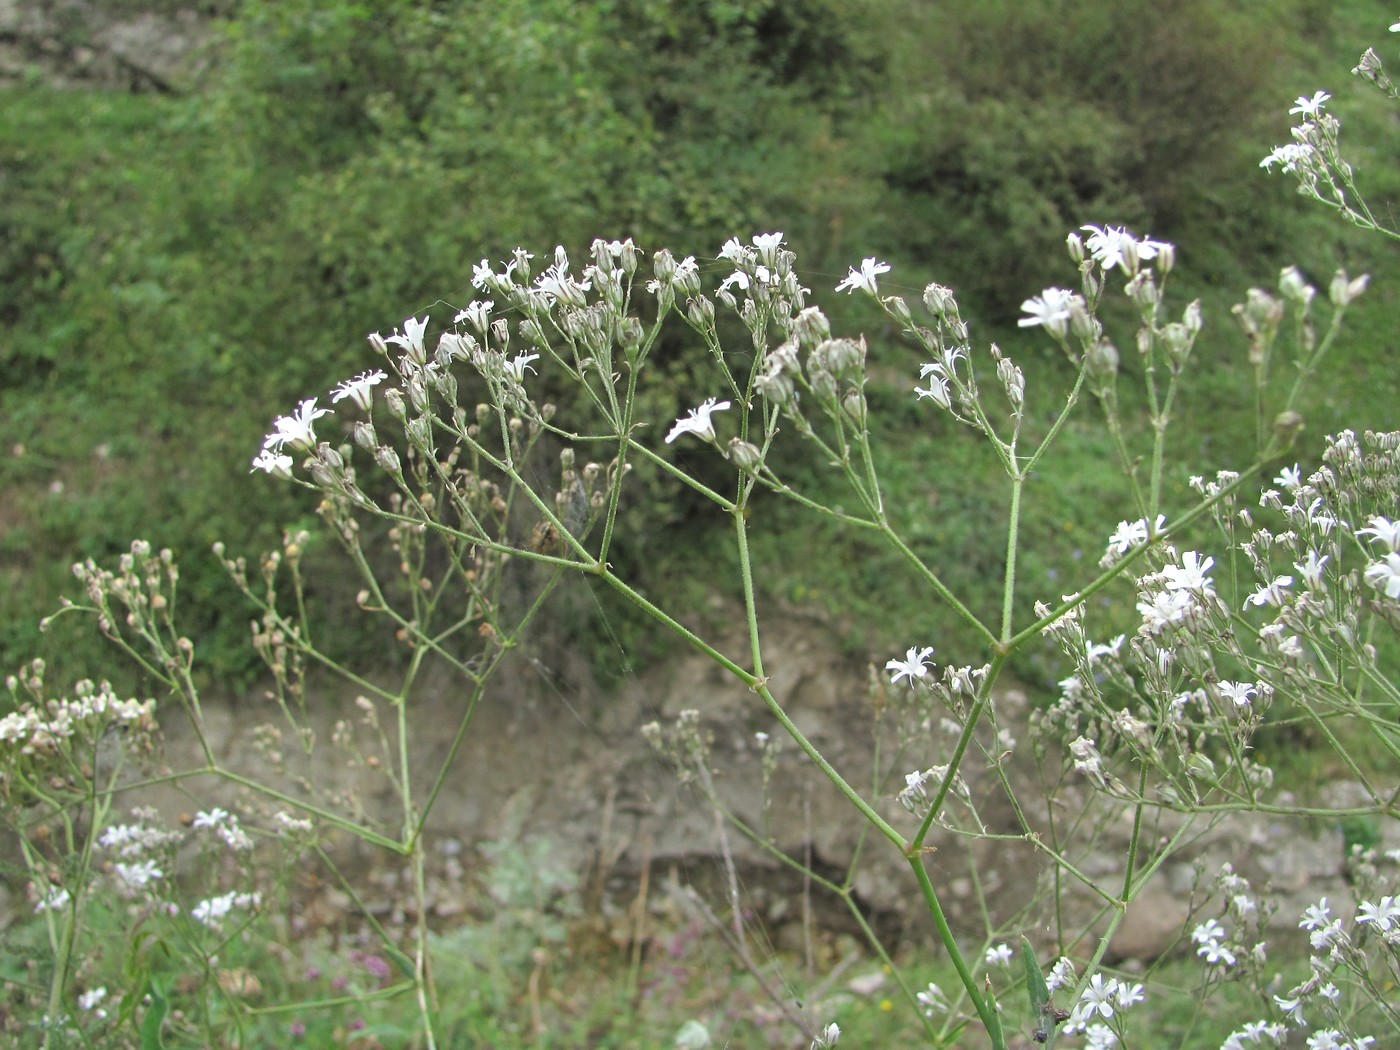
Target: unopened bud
[
  {"x": 1075, "y": 244},
  {"x": 1287, "y": 426},
  {"x": 745, "y": 455},
  {"x": 1344, "y": 290}
]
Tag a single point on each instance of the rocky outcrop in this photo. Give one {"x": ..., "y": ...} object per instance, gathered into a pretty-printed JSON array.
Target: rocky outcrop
[{"x": 125, "y": 46}]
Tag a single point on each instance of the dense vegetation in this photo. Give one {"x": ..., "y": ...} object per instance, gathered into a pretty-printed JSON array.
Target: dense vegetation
[{"x": 176, "y": 269}]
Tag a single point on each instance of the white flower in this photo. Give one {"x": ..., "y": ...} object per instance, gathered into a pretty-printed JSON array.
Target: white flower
[
  {"x": 277, "y": 464},
  {"x": 911, "y": 667},
  {"x": 1061, "y": 974},
  {"x": 1271, "y": 594},
  {"x": 1114, "y": 246},
  {"x": 864, "y": 278},
  {"x": 1099, "y": 997},
  {"x": 933, "y": 1000},
  {"x": 1383, "y": 529},
  {"x": 1099, "y": 1037},
  {"x": 477, "y": 313},
  {"x": 999, "y": 955},
  {"x": 733, "y": 250},
  {"x": 1384, "y": 914},
  {"x": 1049, "y": 309},
  {"x": 1216, "y": 953},
  {"x": 412, "y": 338},
  {"x": 1310, "y": 107},
  {"x": 1289, "y": 478},
  {"x": 516, "y": 368},
  {"x": 698, "y": 422},
  {"x": 211, "y": 819},
  {"x": 1238, "y": 692},
  {"x": 738, "y": 278},
  {"x": 937, "y": 389},
  {"x": 1315, "y": 916},
  {"x": 1384, "y": 575},
  {"x": 56, "y": 898},
  {"x": 1166, "y": 607},
  {"x": 1311, "y": 569},
  {"x": 139, "y": 874},
  {"x": 1190, "y": 575},
  {"x": 360, "y": 389},
  {"x": 90, "y": 999},
  {"x": 1208, "y": 931},
  {"x": 295, "y": 430},
  {"x": 1128, "y": 994}
]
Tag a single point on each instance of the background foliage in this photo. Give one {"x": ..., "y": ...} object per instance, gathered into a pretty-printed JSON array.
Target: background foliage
[{"x": 177, "y": 269}]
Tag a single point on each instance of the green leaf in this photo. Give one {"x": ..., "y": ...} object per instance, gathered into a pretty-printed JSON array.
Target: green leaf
[
  {"x": 1035, "y": 980},
  {"x": 155, "y": 1019}
]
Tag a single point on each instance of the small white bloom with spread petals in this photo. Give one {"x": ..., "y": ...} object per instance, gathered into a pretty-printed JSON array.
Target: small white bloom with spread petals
[
  {"x": 911, "y": 667},
  {"x": 1310, "y": 107},
  {"x": 1239, "y": 693},
  {"x": 1190, "y": 575},
  {"x": 138, "y": 874},
  {"x": 999, "y": 955},
  {"x": 1049, "y": 309},
  {"x": 360, "y": 389},
  {"x": 864, "y": 278},
  {"x": 1384, "y": 915},
  {"x": 1383, "y": 529},
  {"x": 516, "y": 368},
  {"x": 211, "y": 819},
  {"x": 698, "y": 422},
  {"x": 278, "y": 464},
  {"x": 295, "y": 430},
  {"x": 1289, "y": 478},
  {"x": 1273, "y": 593},
  {"x": 1384, "y": 575},
  {"x": 412, "y": 338}
]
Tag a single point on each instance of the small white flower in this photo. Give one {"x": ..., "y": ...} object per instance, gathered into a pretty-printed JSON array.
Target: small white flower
[
  {"x": 1049, "y": 309},
  {"x": 1311, "y": 569},
  {"x": 999, "y": 955},
  {"x": 1128, "y": 994},
  {"x": 1208, "y": 931},
  {"x": 933, "y": 1000},
  {"x": 1099, "y": 997},
  {"x": 698, "y": 422},
  {"x": 1238, "y": 692},
  {"x": 211, "y": 819},
  {"x": 138, "y": 874},
  {"x": 412, "y": 338},
  {"x": 56, "y": 898},
  {"x": 937, "y": 389},
  {"x": 864, "y": 278},
  {"x": 1384, "y": 575},
  {"x": 737, "y": 279},
  {"x": 1289, "y": 478},
  {"x": 517, "y": 368},
  {"x": 89, "y": 1000},
  {"x": 360, "y": 389},
  {"x": 277, "y": 464},
  {"x": 1310, "y": 107},
  {"x": 1215, "y": 954},
  {"x": 1099, "y": 1037},
  {"x": 295, "y": 430},
  {"x": 1383, "y": 529},
  {"x": 1190, "y": 575},
  {"x": 1384, "y": 914},
  {"x": 911, "y": 667},
  {"x": 1272, "y": 594},
  {"x": 1061, "y": 974}
]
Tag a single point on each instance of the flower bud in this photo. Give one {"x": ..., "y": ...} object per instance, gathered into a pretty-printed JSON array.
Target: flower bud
[
  {"x": 811, "y": 326},
  {"x": 1287, "y": 426},
  {"x": 1294, "y": 287},
  {"x": 1075, "y": 244},
  {"x": 702, "y": 312},
  {"x": 854, "y": 406},
  {"x": 393, "y": 400},
  {"x": 900, "y": 309},
  {"x": 941, "y": 302},
  {"x": 1343, "y": 291},
  {"x": 745, "y": 455}
]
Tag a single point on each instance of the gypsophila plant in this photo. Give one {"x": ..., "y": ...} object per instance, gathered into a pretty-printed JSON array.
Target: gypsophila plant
[{"x": 1264, "y": 605}]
